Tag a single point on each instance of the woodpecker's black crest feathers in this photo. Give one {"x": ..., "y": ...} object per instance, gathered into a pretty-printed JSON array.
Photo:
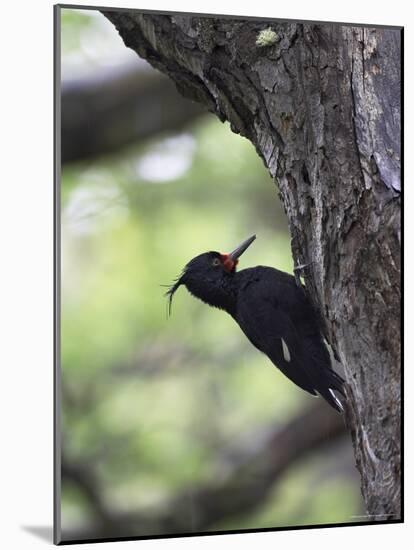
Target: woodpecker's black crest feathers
[
  {"x": 274, "y": 313},
  {"x": 170, "y": 293},
  {"x": 197, "y": 268}
]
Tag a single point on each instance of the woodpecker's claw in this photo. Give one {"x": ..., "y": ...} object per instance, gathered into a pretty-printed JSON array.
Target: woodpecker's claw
[
  {"x": 301, "y": 266},
  {"x": 297, "y": 271}
]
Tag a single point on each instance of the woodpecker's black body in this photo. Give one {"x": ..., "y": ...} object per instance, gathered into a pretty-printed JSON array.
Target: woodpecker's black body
[{"x": 272, "y": 311}]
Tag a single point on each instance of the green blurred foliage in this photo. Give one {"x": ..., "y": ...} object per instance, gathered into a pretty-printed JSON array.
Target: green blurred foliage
[
  {"x": 152, "y": 402},
  {"x": 74, "y": 23}
]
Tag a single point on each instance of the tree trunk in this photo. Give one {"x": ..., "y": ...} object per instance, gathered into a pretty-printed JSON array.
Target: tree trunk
[{"x": 321, "y": 104}]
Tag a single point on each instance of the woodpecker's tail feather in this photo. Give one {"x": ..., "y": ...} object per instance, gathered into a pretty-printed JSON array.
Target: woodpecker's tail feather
[
  {"x": 333, "y": 383},
  {"x": 325, "y": 380},
  {"x": 332, "y": 399},
  {"x": 339, "y": 383}
]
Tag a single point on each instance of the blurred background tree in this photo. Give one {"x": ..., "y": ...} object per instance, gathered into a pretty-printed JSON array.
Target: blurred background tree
[{"x": 172, "y": 425}]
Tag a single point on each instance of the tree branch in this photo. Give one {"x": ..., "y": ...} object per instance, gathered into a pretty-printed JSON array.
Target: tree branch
[{"x": 111, "y": 109}]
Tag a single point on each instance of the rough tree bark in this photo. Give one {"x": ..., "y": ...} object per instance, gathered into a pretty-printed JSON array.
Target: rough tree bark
[{"x": 321, "y": 104}]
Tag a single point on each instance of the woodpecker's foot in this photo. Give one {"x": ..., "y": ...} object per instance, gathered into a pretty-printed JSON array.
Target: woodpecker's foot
[
  {"x": 300, "y": 267},
  {"x": 297, "y": 270}
]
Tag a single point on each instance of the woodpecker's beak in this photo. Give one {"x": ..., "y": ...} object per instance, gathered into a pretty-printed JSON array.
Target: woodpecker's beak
[{"x": 237, "y": 252}]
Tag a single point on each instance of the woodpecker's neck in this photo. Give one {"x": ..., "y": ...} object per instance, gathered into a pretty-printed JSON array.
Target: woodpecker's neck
[{"x": 221, "y": 294}]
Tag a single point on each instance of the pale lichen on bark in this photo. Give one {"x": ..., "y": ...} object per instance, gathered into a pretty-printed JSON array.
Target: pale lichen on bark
[{"x": 322, "y": 107}]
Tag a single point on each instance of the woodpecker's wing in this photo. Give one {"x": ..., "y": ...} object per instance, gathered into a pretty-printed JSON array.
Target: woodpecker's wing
[
  {"x": 296, "y": 348},
  {"x": 271, "y": 330}
]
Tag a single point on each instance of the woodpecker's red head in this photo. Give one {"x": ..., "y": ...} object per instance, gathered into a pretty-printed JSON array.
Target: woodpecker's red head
[{"x": 206, "y": 275}]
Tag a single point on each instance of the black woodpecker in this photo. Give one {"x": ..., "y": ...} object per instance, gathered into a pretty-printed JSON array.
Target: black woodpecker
[{"x": 274, "y": 313}]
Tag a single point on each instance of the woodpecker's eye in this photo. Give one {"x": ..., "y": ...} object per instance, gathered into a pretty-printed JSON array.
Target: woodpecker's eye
[{"x": 216, "y": 261}]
